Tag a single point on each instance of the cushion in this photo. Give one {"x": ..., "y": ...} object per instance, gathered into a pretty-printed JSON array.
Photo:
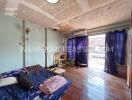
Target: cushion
[
  {"x": 33, "y": 69},
  {"x": 8, "y": 81},
  {"x": 24, "y": 80}
]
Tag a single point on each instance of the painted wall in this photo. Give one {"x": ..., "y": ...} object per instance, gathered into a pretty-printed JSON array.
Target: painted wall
[
  {"x": 35, "y": 46},
  {"x": 55, "y": 44},
  {"x": 35, "y": 53},
  {"x": 10, "y": 36},
  {"x": 10, "y": 49}
]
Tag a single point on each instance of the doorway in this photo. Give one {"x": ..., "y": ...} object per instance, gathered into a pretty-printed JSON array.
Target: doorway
[{"x": 97, "y": 52}]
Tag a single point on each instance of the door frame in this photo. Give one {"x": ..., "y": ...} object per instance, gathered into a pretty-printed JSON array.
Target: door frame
[{"x": 129, "y": 59}]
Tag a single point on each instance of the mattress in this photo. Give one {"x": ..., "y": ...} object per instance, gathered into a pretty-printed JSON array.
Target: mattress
[{"x": 16, "y": 92}]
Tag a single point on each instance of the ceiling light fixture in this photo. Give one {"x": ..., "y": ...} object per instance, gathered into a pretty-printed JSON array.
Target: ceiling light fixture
[{"x": 52, "y": 1}]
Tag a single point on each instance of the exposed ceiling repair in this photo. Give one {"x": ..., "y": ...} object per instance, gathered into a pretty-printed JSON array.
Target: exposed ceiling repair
[{"x": 69, "y": 15}]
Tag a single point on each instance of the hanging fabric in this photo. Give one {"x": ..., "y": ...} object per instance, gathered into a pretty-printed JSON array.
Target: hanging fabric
[
  {"x": 71, "y": 49},
  {"x": 77, "y": 49},
  {"x": 81, "y": 55},
  {"x": 121, "y": 39},
  {"x": 115, "y": 43},
  {"x": 110, "y": 47}
]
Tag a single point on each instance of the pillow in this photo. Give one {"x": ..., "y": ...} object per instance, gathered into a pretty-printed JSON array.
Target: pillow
[
  {"x": 24, "y": 81},
  {"x": 8, "y": 81},
  {"x": 33, "y": 69}
]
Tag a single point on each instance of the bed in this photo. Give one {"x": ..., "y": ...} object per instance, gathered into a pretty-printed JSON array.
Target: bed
[{"x": 16, "y": 92}]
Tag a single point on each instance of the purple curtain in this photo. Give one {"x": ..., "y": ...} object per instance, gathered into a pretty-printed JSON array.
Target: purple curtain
[
  {"x": 115, "y": 43},
  {"x": 121, "y": 39},
  {"x": 77, "y": 49},
  {"x": 81, "y": 55},
  {"x": 71, "y": 49}
]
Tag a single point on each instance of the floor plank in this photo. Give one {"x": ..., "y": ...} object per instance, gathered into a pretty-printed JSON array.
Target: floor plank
[{"x": 94, "y": 84}]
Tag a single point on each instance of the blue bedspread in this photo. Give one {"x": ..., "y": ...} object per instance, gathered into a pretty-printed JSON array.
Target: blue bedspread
[{"x": 16, "y": 92}]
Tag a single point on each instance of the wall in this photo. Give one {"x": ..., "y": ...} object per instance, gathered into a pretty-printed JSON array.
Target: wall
[
  {"x": 10, "y": 36},
  {"x": 10, "y": 49},
  {"x": 35, "y": 53},
  {"x": 54, "y": 44},
  {"x": 101, "y": 30}
]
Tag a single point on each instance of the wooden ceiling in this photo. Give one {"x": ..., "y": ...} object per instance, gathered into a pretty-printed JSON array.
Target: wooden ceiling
[{"x": 69, "y": 15}]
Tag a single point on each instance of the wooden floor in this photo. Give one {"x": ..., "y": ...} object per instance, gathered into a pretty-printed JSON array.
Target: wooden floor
[{"x": 93, "y": 84}]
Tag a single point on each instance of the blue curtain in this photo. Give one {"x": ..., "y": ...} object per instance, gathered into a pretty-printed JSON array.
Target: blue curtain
[
  {"x": 115, "y": 43},
  {"x": 121, "y": 45},
  {"x": 71, "y": 49},
  {"x": 77, "y": 49},
  {"x": 81, "y": 55},
  {"x": 110, "y": 47}
]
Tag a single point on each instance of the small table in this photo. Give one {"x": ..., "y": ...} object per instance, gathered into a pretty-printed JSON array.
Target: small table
[{"x": 58, "y": 71}]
